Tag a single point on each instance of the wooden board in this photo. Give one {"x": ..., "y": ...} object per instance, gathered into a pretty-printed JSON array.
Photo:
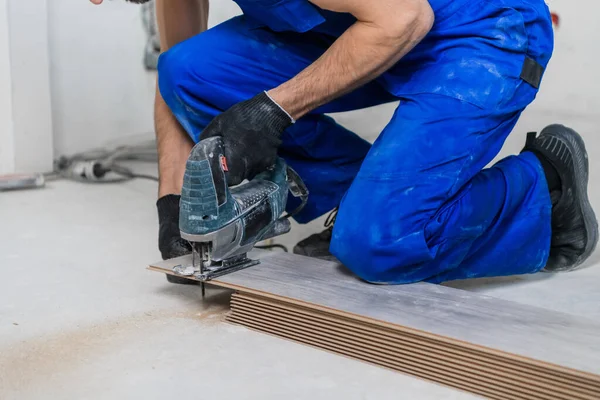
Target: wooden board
[
  {"x": 555, "y": 386},
  {"x": 487, "y": 346},
  {"x": 474, "y": 319},
  {"x": 316, "y": 331}
]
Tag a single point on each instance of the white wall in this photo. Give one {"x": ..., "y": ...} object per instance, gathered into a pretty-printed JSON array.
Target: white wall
[
  {"x": 7, "y": 158},
  {"x": 32, "y": 115},
  {"x": 100, "y": 91},
  {"x": 25, "y": 115}
]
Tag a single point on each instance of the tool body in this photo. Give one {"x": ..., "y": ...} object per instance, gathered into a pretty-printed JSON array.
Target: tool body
[{"x": 223, "y": 224}]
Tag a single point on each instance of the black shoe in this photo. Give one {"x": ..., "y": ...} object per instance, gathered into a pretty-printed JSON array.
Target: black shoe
[
  {"x": 574, "y": 224},
  {"x": 179, "y": 248},
  {"x": 181, "y": 281},
  {"x": 317, "y": 245}
]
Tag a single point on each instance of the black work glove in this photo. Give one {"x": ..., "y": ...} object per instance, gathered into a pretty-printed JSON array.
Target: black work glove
[
  {"x": 251, "y": 132},
  {"x": 170, "y": 242}
]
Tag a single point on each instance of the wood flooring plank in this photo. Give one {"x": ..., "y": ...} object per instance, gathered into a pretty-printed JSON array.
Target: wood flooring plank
[
  {"x": 527, "y": 388},
  {"x": 349, "y": 344},
  {"x": 451, "y": 381},
  {"x": 429, "y": 345},
  {"x": 445, "y": 314},
  {"x": 547, "y": 388}
]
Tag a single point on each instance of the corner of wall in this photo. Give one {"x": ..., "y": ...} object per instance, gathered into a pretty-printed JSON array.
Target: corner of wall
[
  {"x": 25, "y": 58},
  {"x": 7, "y": 157}
]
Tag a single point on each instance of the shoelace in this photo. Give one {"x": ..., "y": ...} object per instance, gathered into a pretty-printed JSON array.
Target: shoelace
[{"x": 331, "y": 218}]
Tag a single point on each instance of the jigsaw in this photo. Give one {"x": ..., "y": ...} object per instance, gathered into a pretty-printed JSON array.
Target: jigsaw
[{"x": 223, "y": 224}]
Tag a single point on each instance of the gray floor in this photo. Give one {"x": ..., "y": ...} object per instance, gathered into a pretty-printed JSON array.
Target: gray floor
[{"x": 81, "y": 318}]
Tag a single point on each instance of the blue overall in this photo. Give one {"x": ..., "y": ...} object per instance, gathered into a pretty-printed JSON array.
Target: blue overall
[{"x": 419, "y": 203}]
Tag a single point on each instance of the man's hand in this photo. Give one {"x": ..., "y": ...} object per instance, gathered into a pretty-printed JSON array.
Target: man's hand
[
  {"x": 170, "y": 242},
  {"x": 251, "y": 132}
]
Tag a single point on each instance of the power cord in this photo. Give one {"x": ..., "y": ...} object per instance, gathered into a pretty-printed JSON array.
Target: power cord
[
  {"x": 127, "y": 173},
  {"x": 96, "y": 166},
  {"x": 272, "y": 246}
]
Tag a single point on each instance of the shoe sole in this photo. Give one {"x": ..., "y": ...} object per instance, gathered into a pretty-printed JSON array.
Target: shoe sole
[
  {"x": 181, "y": 281},
  {"x": 301, "y": 252},
  {"x": 581, "y": 174}
]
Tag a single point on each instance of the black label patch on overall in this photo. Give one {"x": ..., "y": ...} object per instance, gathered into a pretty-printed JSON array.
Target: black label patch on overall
[{"x": 532, "y": 72}]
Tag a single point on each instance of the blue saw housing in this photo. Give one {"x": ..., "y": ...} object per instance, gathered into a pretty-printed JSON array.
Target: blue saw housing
[{"x": 208, "y": 205}]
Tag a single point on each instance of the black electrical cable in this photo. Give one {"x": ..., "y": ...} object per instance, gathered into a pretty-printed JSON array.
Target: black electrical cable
[
  {"x": 272, "y": 246},
  {"x": 126, "y": 172},
  {"x": 91, "y": 166}
]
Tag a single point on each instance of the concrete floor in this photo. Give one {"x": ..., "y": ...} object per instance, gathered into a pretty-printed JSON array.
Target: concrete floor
[{"x": 81, "y": 318}]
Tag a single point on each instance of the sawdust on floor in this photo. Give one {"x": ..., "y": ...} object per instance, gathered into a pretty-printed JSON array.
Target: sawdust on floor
[{"x": 39, "y": 358}]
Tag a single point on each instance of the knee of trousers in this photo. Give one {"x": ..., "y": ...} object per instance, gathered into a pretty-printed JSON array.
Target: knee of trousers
[
  {"x": 182, "y": 77},
  {"x": 184, "y": 84},
  {"x": 382, "y": 239}
]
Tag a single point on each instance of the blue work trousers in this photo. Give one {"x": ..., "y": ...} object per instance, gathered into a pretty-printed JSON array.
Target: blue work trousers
[{"x": 419, "y": 203}]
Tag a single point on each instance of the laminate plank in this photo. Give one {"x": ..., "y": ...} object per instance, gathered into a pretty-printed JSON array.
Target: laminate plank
[
  {"x": 445, "y": 314},
  {"x": 439, "y": 366},
  {"x": 525, "y": 365},
  {"x": 473, "y": 387},
  {"x": 430, "y": 345},
  {"x": 552, "y": 388},
  {"x": 444, "y": 362}
]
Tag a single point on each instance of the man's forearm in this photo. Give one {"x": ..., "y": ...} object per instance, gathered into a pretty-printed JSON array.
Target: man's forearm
[
  {"x": 366, "y": 50},
  {"x": 177, "y": 20}
]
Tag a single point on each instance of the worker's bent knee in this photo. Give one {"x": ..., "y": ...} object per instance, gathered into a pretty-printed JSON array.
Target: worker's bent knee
[
  {"x": 178, "y": 72},
  {"x": 203, "y": 69},
  {"x": 189, "y": 84},
  {"x": 381, "y": 244},
  {"x": 380, "y": 260}
]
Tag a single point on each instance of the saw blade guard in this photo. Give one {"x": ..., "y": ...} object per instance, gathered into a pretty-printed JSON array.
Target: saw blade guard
[{"x": 247, "y": 211}]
